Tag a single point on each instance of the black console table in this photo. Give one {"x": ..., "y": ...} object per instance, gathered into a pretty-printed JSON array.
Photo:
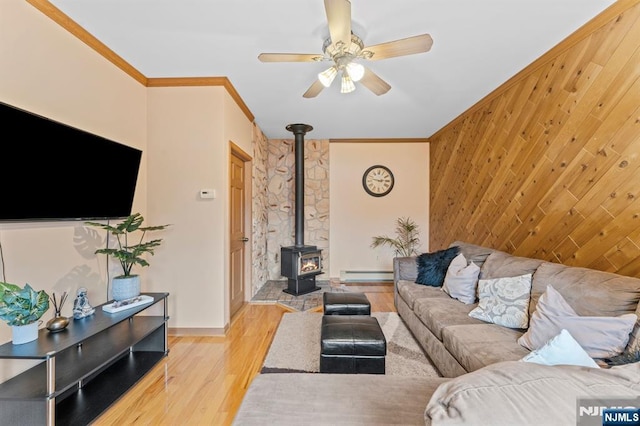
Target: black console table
[{"x": 84, "y": 368}]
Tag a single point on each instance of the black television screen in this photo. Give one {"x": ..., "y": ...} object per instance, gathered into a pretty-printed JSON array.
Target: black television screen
[{"x": 52, "y": 171}]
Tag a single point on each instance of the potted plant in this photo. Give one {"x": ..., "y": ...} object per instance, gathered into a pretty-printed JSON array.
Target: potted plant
[
  {"x": 22, "y": 308},
  {"x": 407, "y": 239},
  {"x": 129, "y": 251}
]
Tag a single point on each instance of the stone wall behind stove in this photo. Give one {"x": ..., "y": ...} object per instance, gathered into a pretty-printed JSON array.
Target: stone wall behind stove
[
  {"x": 259, "y": 207},
  {"x": 280, "y": 217}
]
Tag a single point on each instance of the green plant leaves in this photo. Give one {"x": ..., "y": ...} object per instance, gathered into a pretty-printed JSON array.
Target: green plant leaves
[
  {"x": 407, "y": 239},
  {"x": 130, "y": 254},
  {"x": 7, "y": 287},
  {"x": 21, "y": 306}
]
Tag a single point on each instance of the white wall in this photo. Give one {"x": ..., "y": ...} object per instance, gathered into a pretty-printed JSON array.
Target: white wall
[
  {"x": 47, "y": 70},
  {"x": 50, "y": 72},
  {"x": 189, "y": 133},
  {"x": 357, "y": 217}
]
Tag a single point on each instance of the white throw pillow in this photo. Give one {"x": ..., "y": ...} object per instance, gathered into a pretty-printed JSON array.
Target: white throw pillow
[
  {"x": 461, "y": 280},
  {"x": 561, "y": 350},
  {"x": 600, "y": 337},
  {"x": 504, "y": 301}
]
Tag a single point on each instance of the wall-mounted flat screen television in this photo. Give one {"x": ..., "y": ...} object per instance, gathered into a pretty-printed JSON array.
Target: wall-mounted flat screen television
[{"x": 52, "y": 171}]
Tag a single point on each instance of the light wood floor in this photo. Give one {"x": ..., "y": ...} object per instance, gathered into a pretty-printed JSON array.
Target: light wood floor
[{"x": 203, "y": 380}]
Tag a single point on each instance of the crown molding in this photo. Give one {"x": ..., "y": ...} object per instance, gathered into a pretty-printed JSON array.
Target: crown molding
[
  {"x": 83, "y": 35},
  {"x": 74, "y": 28},
  {"x": 203, "y": 81}
]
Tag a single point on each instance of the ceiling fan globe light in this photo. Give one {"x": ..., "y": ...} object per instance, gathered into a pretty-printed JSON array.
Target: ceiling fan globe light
[
  {"x": 347, "y": 84},
  {"x": 327, "y": 76},
  {"x": 355, "y": 70}
]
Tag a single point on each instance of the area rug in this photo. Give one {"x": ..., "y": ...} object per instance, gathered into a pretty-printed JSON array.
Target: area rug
[
  {"x": 296, "y": 346},
  {"x": 272, "y": 292}
]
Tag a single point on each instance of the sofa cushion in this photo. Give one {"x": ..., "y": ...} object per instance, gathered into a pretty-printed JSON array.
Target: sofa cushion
[
  {"x": 600, "y": 336},
  {"x": 516, "y": 393},
  {"x": 444, "y": 362},
  {"x": 476, "y": 346},
  {"x": 504, "y": 301},
  {"x": 335, "y": 399},
  {"x": 433, "y": 266},
  {"x": 633, "y": 347},
  {"x": 461, "y": 280},
  {"x": 405, "y": 268},
  {"x": 562, "y": 349},
  {"x": 438, "y": 313},
  {"x": 410, "y": 292},
  {"x": 587, "y": 291},
  {"x": 500, "y": 264},
  {"x": 472, "y": 252}
]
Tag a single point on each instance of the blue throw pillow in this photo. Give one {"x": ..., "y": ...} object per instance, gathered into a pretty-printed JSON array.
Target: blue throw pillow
[{"x": 432, "y": 267}]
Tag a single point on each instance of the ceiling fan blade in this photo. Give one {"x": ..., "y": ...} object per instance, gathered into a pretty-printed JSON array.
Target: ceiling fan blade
[
  {"x": 339, "y": 20},
  {"x": 406, "y": 46},
  {"x": 313, "y": 90},
  {"x": 374, "y": 83},
  {"x": 289, "y": 57}
]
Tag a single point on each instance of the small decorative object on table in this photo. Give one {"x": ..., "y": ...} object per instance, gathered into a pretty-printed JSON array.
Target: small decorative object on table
[
  {"x": 81, "y": 306},
  {"x": 121, "y": 305},
  {"x": 21, "y": 308},
  {"x": 58, "y": 322}
]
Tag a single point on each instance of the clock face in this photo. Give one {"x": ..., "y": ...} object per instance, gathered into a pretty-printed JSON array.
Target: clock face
[{"x": 377, "y": 180}]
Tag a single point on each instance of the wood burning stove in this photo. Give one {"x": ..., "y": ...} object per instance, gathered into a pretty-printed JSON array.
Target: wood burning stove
[{"x": 300, "y": 263}]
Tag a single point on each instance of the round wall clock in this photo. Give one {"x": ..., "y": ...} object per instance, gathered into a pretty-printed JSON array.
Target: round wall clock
[{"x": 378, "y": 180}]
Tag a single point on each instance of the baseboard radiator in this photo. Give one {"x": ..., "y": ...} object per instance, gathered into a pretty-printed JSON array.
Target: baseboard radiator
[{"x": 365, "y": 276}]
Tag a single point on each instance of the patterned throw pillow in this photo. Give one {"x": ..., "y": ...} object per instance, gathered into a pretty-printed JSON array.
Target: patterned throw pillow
[
  {"x": 432, "y": 267},
  {"x": 504, "y": 301}
]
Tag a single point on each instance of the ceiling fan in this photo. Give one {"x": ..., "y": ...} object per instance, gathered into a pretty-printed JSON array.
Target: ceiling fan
[{"x": 344, "y": 48}]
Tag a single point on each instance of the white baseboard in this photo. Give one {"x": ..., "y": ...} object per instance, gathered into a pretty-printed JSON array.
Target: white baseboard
[
  {"x": 197, "y": 331},
  {"x": 364, "y": 276}
]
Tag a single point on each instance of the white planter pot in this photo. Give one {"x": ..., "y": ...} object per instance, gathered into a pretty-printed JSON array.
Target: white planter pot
[
  {"x": 123, "y": 288},
  {"x": 24, "y": 333}
]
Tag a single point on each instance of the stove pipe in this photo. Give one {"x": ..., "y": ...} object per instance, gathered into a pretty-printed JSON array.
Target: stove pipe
[{"x": 299, "y": 131}]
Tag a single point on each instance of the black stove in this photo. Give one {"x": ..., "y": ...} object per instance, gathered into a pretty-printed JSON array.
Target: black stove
[{"x": 300, "y": 263}]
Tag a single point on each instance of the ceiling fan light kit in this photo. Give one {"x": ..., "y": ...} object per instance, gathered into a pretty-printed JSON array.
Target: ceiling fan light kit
[
  {"x": 355, "y": 70},
  {"x": 327, "y": 76},
  {"x": 347, "y": 84},
  {"x": 343, "y": 48}
]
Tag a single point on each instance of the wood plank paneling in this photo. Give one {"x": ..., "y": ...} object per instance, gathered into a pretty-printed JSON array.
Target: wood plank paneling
[{"x": 548, "y": 165}]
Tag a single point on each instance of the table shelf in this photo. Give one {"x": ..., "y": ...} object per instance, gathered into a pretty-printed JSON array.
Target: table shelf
[{"x": 84, "y": 368}]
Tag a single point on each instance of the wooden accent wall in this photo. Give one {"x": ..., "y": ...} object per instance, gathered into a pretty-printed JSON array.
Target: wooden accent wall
[{"x": 548, "y": 165}]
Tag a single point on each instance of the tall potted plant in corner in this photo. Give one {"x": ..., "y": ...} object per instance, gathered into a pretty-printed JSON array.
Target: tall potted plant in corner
[
  {"x": 407, "y": 239},
  {"x": 129, "y": 251},
  {"x": 22, "y": 308}
]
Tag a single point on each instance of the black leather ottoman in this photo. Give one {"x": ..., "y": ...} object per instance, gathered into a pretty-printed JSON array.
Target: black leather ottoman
[
  {"x": 352, "y": 344},
  {"x": 345, "y": 304}
]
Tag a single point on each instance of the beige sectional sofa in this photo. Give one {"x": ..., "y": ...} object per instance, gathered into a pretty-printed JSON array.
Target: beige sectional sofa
[
  {"x": 458, "y": 344},
  {"x": 485, "y": 381}
]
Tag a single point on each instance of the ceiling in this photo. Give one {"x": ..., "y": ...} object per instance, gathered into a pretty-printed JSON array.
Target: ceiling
[{"x": 477, "y": 45}]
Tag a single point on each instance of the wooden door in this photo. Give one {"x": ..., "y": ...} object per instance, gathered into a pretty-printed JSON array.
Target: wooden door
[{"x": 238, "y": 237}]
